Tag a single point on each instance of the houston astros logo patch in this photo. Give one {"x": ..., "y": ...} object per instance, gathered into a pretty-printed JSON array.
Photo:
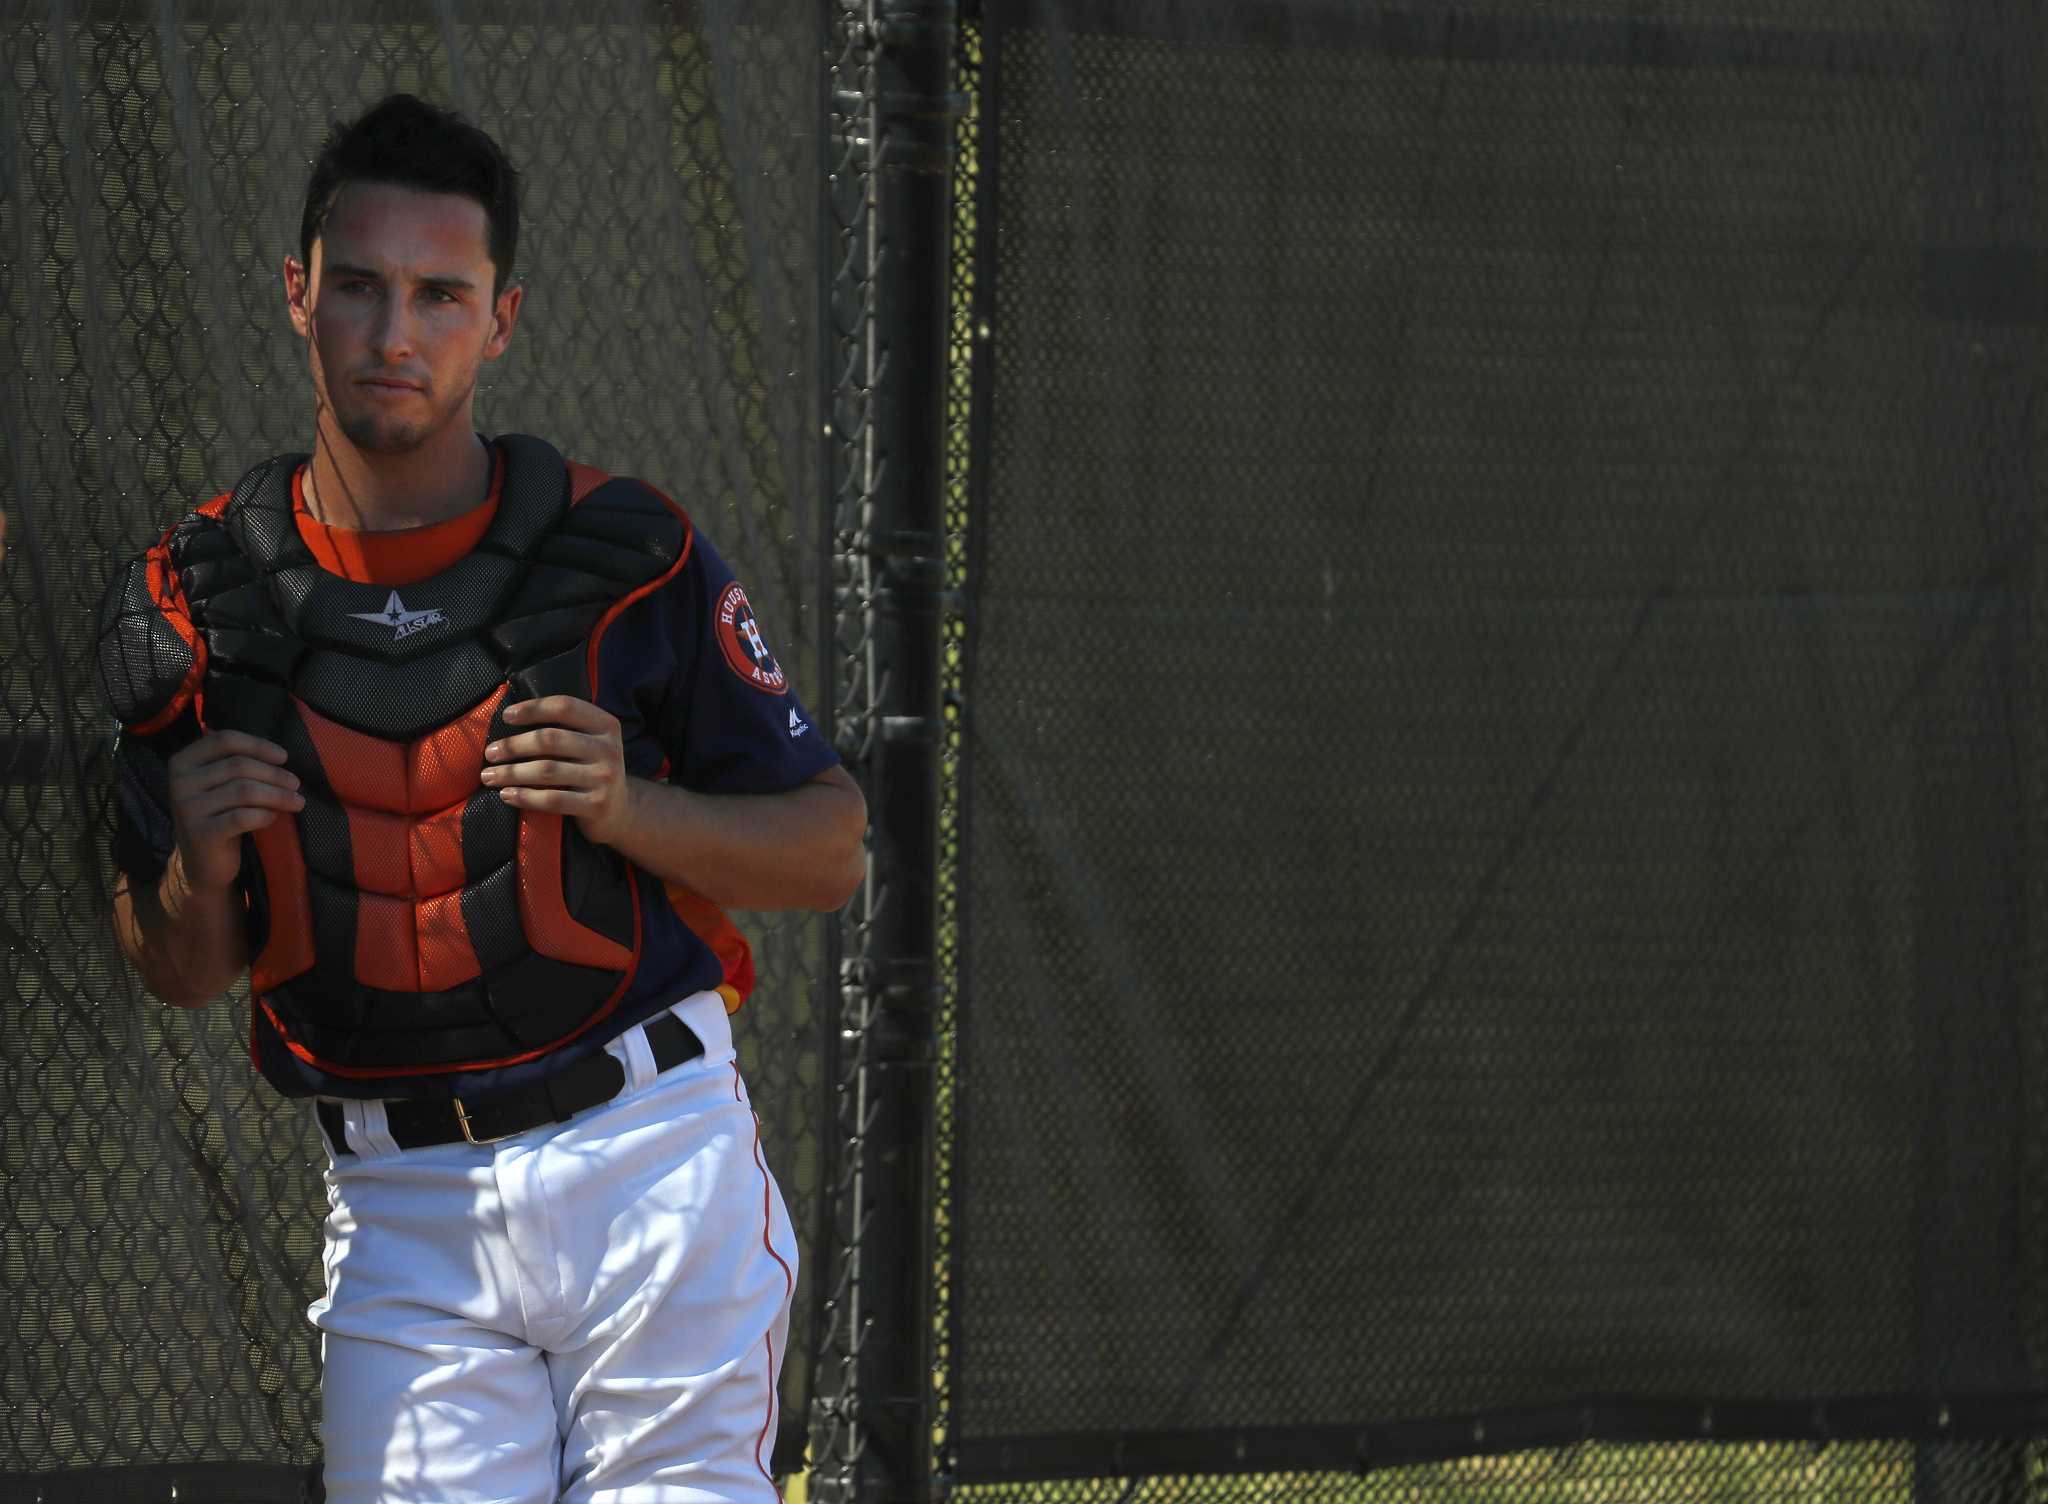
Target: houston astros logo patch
[{"x": 745, "y": 648}]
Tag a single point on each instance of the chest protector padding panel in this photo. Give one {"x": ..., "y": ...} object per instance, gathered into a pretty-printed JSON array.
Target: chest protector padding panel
[{"x": 409, "y": 923}]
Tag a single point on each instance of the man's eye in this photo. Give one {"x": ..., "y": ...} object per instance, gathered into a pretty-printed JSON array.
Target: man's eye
[
  {"x": 442, "y": 293},
  {"x": 355, "y": 284}
]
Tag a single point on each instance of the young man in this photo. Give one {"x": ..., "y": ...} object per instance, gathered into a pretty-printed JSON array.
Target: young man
[{"x": 461, "y": 750}]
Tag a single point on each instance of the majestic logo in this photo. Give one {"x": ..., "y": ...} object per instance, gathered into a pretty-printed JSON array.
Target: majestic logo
[
  {"x": 402, "y": 622},
  {"x": 797, "y": 724},
  {"x": 746, "y": 650}
]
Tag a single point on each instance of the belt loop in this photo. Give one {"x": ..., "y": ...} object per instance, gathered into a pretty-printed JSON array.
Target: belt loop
[
  {"x": 369, "y": 1130},
  {"x": 636, "y": 1055},
  {"x": 332, "y": 1120},
  {"x": 704, "y": 1015}
]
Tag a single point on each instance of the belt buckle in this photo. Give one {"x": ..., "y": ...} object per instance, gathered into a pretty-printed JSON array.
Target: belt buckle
[{"x": 462, "y": 1117}]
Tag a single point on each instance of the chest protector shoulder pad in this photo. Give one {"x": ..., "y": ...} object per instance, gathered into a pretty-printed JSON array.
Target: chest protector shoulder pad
[{"x": 408, "y": 923}]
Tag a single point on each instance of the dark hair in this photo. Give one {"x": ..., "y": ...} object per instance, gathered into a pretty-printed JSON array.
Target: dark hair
[{"x": 406, "y": 141}]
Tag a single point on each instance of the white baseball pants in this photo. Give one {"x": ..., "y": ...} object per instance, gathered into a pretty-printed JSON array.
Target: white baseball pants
[{"x": 593, "y": 1311}]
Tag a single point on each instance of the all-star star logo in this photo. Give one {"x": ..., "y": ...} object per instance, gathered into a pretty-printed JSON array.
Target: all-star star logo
[{"x": 402, "y": 622}]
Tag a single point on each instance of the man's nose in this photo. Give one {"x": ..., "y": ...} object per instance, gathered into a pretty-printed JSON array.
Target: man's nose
[{"x": 391, "y": 332}]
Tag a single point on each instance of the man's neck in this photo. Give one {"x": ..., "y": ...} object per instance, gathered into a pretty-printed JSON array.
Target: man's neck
[{"x": 378, "y": 493}]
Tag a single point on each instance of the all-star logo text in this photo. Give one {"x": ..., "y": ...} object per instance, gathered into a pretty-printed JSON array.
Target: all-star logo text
[{"x": 402, "y": 622}]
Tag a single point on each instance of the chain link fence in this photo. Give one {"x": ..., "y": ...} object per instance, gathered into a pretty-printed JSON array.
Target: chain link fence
[{"x": 161, "y": 1209}]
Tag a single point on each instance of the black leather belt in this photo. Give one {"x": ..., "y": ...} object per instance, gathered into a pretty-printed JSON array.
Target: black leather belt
[{"x": 583, "y": 1084}]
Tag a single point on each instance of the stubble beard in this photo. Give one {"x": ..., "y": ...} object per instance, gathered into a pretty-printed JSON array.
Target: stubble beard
[
  {"x": 374, "y": 432},
  {"x": 383, "y": 433}
]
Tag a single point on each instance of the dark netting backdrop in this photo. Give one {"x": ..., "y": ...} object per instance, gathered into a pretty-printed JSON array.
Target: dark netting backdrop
[
  {"x": 1503, "y": 749},
  {"x": 159, "y": 1206}
]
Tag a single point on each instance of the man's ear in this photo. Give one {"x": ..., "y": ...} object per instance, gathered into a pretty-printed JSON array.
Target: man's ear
[
  {"x": 295, "y": 296},
  {"x": 504, "y": 315}
]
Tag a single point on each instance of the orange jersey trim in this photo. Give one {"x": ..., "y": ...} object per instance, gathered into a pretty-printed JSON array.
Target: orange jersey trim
[
  {"x": 583, "y": 479},
  {"x": 402, "y": 556},
  {"x": 710, "y": 924}
]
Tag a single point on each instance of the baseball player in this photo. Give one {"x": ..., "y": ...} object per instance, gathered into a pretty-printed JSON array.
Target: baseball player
[{"x": 462, "y": 750}]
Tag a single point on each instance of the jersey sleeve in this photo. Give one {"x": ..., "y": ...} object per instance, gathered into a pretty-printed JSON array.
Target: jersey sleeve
[{"x": 732, "y": 722}]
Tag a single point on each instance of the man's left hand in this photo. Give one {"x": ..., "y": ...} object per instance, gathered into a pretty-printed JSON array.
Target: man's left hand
[{"x": 568, "y": 758}]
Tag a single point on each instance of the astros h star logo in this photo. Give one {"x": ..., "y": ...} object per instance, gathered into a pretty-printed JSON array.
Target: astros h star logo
[{"x": 746, "y": 650}]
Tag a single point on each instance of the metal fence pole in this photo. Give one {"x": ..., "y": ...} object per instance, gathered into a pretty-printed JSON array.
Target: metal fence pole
[
  {"x": 898, "y": 54},
  {"x": 913, "y": 166}
]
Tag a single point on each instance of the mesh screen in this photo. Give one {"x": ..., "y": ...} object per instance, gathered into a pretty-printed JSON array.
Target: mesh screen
[
  {"x": 159, "y": 1241},
  {"x": 1502, "y": 734},
  {"x": 1760, "y": 1473}
]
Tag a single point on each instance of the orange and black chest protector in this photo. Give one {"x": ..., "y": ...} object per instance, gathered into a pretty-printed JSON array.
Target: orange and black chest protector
[{"x": 408, "y": 922}]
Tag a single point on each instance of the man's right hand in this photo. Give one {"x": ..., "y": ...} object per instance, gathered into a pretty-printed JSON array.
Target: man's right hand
[{"x": 223, "y": 786}]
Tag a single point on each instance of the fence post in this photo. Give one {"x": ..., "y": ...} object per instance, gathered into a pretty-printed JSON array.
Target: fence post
[{"x": 893, "y": 557}]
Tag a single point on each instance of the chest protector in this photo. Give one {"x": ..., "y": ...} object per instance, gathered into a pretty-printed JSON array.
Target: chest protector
[{"x": 408, "y": 923}]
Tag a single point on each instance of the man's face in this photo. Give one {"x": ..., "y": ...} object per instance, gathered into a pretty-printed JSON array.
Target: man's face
[{"x": 398, "y": 314}]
